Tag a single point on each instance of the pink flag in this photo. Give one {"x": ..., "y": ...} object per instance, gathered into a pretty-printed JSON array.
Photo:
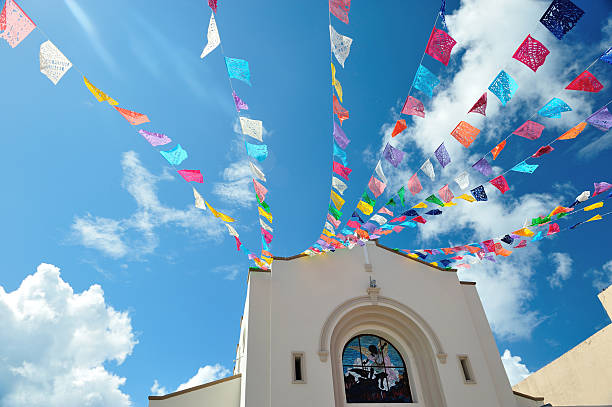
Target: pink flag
[
  {"x": 238, "y": 243},
  {"x": 341, "y": 170},
  {"x": 552, "y": 229},
  {"x": 500, "y": 183},
  {"x": 385, "y": 211},
  {"x": 191, "y": 175},
  {"x": 601, "y": 187},
  {"x": 414, "y": 185},
  {"x": 398, "y": 228},
  {"x": 522, "y": 243},
  {"x": 333, "y": 221},
  {"x": 266, "y": 235},
  {"x": 446, "y": 194},
  {"x": 353, "y": 224},
  {"x": 399, "y": 219},
  {"x": 213, "y": 5},
  {"x": 132, "y": 117},
  {"x": 340, "y": 8},
  {"x": 587, "y": 82},
  {"x": 530, "y": 130},
  {"x": 532, "y": 53},
  {"x": 543, "y": 150},
  {"x": 413, "y": 106},
  {"x": 240, "y": 105},
  {"x": 376, "y": 186},
  {"x": 480, "y": 106},
  {"x": 440, "y": 45},
  {"x": 260, "y": 190},
  {"x": 14, "y": 23}
]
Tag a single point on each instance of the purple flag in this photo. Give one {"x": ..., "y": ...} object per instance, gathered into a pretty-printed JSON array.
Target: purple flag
[
  {"x": 340, "y": 137},
  {"x": 601, "y": 187},
  {"x": 240, "y": 105},
  {"x": 369, "y": 227},
  {"x": 483, "y": 167},
  {"x": 156, "y": 139},
  {"x": 602, "y": 119},
  {"x": 393, "y": 155},
  {"x": 442, "y": 155}
]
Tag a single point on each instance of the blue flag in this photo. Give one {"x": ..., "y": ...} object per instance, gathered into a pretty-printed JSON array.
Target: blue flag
[
  {"x": 175, "y": 156},
  {"x": 238, "y": 69}
]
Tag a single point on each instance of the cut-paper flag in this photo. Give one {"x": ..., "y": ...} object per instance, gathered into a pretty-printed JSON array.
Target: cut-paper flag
[
  {"x": 155, "y": 139},
  {"x": 434, "y": 212},
  {"x": 602, "y": 119},
  {"x": 401, "y": 193},
  {"x": 340, "y": 8},
  {"x": 336, "y": 82},
  {"x": 231, "y": 231},
  {"x": 524, "y": 232},
  {"x": 465, "y": 133},
  {"x": 400, "y": 126},
  {"x": 340, "y": 153},
  {"x": 380, "y": 173},
  {"x": 586, "y": 82},
  {"x": 596, "y": 217},
  {"x": 532, "y": 53},
  {"x": 99, "y": 95},
  {"x": 376, "y": 186},
  {"x": 175, "y": 156},
  {"x": 463, "y": 180},
  {"x": 265, "y": 214},
  {"x": 381, "y": 220},
  {"x": 420, "y": 205},
  {"x": 552, "y": 229},
  {"x": 413, "y": 106},
  {"x": 133, "y": 117},
  {"x": 480, "y": 106},
  {"x": 542, "y": 150},
  {"x": 446, "y": 194},
  {"x": 393, "y": 155},
  {"x": 560, "y": 209},
  {"x": 442, "y": 155},
  {"x": 219, "y": 215},
  {"x": 560, "y": 17},
  {"x": 53, "y": 64},
  {"x": 440, "y": 45},
  {"x": 199, "y": 201},
  {"x": 238, "y": 69},
  {"x": 425, "y": 81},
  {"x": 260, "y": 190},
  {"x": 339, "y": 185},
  {"x": 341, "y": 170},
  {"x": 212, "y": 37},
  {"x": 340, "y": 45},
  {"x": 213, "y": 5},
  {"x": 240, "y": 105},
  {"x": 252, "y": 128},
  {"x": 434, "y": 199},
  {"x": 385, "y": 211},
  {"x": 335, "y": 212},
  {"x": 504, "y": 87},
  {"x": 479, "y": 193},
  {"x": 414, "y": 185},
  {"x": 498, "y": 148},
  {"x": 14, "y": 23},
  {"x": 466, "y": 197},
  {"x": 554, "y": 108},
  {"x": 573, "y": 132},
  {"x": 530, "y": 130},
  {"x": 340, "y": 136},
  {"x": 339, "y": 111},
  {"x": 500, "y": 183},
  {"x": 365, "y": 207},
  {"x": 257, "y": 151},
  {"x": 428, "y": 169},
  {"x": 191, "y": 175},
  {"x": 337, "y": 200},
  {"x": 522, "y": 243},
  {"x": 601, "y": 187},
  {"x": 593, "y": 206},
  {"x": 483, "y": 167},
  {"x": 257, "y": 172},
  {"x": 333, "y": 220},
  {"x": 265, "y": 226},
  {"x": 607, "y": 56}
]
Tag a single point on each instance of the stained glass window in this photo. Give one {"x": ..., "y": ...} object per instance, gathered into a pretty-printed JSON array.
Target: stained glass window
[{"x": 374, "y": 372}]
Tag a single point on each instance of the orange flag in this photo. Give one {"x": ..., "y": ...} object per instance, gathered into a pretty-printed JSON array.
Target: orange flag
[
  {"x": 133, "y": 117},
  {"x": 498, "y": 148},
  {"x": 573, "y": 132}
]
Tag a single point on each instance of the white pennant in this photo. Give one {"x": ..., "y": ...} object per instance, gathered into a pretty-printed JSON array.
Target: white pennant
[
  {"x": 265, "y": 226},
  {"x": 428, "y": 169},
  {"x": 463, "y": 180},
  {"x": 380, "y": 173},
  {"x": 213, "y": 37},
  {"x": 53, "y": 64},
  {"x": 330, "y": 227},
  {"x": 257, "y": 172},
  {"x": 381, "y": 220},
  {"x": 340, "y": 45},
  {"x": 231, "y": 230},
  {"x": 252, "y": 128},
  {"x": 339, "y": 185},
  {"x": 199, "y": 201},
  {"x": 583, "y": 196}
]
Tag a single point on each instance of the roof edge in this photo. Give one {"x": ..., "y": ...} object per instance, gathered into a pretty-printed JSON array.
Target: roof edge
[
  {"x": 201, "y": 386},
  {"x": 527, "y": 396}
]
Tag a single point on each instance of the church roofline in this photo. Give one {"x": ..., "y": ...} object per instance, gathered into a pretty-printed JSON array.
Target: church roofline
[
  {"x": 201, "y": 386},
  {"x": 527, "y": 396}
]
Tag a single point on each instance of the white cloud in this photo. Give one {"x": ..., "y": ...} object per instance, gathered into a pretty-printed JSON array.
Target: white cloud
[
  {"x": 238, "y": 186},
  {"x": 602, "y": 278},
  {"x": 230, "y": 271},
  {"x": 563, "y": 271},
  {"x": 206, "y": 374},
  {"x": 56, "y": 343},
  {"x": 515, "y": 370},
  {"x": 114, "y": 237}
]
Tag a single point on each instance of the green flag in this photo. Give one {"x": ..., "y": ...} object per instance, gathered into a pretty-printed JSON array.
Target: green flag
[
  {"x": 365, "y": 198},
  {"x": 401, "y": 194},
  {"x": 434, "y": 199},
  {"x": 335, "y": 212}
]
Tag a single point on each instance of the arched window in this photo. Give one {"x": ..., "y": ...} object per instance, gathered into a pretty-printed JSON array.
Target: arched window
[{"x": 374, "y": 372}]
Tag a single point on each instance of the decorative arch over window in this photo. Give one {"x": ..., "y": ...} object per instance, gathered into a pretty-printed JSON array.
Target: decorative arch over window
[{"x": 374, "y": 372}]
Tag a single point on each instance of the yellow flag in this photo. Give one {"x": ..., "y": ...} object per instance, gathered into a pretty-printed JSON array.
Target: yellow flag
[
  {"x": 267, "y": 259},
  {"x": 218, "y": 214},
  {"x": 327, "y": 233},
  {"x": 467, "y": 197},
  {"x": 101, "y": 96},
  {"x": 414, "y": 256},
  {"x": 265, "y": 214},
  {"x": 594, "y": 206},
  {"x": 337, "y": 199},
  {"x": 420, "y": 205},
  {"x": 433, "y": 263},
  {"x": 364, "y": 207},
  {"x": 524, "y": 232},
  {"x": 450, "y": 204},
  {"x": 596, "y": 217},
  {"x": 335, "y": 83}
]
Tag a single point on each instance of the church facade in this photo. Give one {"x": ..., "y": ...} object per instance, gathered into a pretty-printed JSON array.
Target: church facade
[{"x": 364, "y": 327}]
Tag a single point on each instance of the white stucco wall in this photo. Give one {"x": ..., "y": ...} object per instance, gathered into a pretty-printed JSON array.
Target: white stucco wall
[
  {"x": 287, "y": 308},
  {"x": 224, "y": 393}
]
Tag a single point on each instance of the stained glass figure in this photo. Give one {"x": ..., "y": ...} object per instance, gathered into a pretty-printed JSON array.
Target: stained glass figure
[
  {"x": 532, "y": 53},
  {"x": 560, "y": 17},
  {"x": 374, "y": 372}
]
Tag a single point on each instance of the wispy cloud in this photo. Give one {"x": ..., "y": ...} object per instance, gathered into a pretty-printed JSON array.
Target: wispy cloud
[
  {"x": 230, "y": 272},
  {"x": 602, "y": 278},
  {"x": 114, "y": 237},
  {"x": 204, "y": 374},
  {"x": 563, "y": 269},
  {"x": 238, "y": 186}
]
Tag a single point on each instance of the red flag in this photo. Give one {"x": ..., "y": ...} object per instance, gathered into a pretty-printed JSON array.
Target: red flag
[
  {"x": 532, "y": 53},
  {"x": 440, "y": 45},
  {"x": 341, "y": 112},
  {"x": 543, "y": 150},
  {"x": 552, "y": 229},
  {"x": 587, "y": 82},
  {"x": 238, "y": 243},
  {"x": 399, "y": 127},
  {"x": 500, "y": 183},
  {"x": 480, "y": 106},
  {"x": 213, "y": 5},
  {"x": 413, "y": 106},
  {"x": 132, "y": 117},
  {"x": 340, "y": 8},
  {"x": 498, "y": 148},
  {"x": 419, "y": 219}
]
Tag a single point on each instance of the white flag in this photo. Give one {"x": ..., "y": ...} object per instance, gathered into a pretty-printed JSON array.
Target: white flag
[
  {"x": 257, "y": 172},
  {"x": 252, "y": 128},
  {"x": 583, "y": 196},
  {"x": 199, "y": 201},
  {"x": 265, "y": 226},
  {"x": 381, "y": 220},
  {"x": 339, "y": 185},
  {"x": 463, "y": 180},
  {"x": 428, "y": 169},
  {"x": 380, "y": 173},
  {"x": 53, "y": 64},
  {"x": 340, "y": 45},
  {"x": 330, "y": 227},
  {"x": 231, "y": 230},
  {"x": 213, "y": 37}
]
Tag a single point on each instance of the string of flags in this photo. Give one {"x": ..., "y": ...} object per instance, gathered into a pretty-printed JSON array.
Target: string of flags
[{"x": 16, "y": 25}]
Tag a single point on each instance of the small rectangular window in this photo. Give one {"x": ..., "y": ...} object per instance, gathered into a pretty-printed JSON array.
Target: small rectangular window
[
  {"x": 466, "y": 369},
  {"x": 298, "y": 367}
]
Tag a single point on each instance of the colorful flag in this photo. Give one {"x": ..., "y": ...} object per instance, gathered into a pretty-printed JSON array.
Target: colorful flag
[
  {"x": 212, "y": 37},
  {"x": 419, "y": 219},
  {"x": 414, "y": 185},
  {"x": 480, "y": 106},
  {"x": 257, "y": 151},
  {"x": 552, "y": 229},
  {"x": 265, "y": 214},
  {"x": 257, "y": 172},
  {"x": 446, "y": 194},
  {"x": 542, "y": 150},
  {"x": 380, "y": 173},
  {"x": 213, "y": 5},
  {"x": 503, "y": 87},
  {"x": 593, "y": 206},
  {"x": 340, "y": 137},
  {"x": 155, "y": 139},
  {"x": 532, "y": 53},
  {"x": 365, "y": 207},
  {"x": 466, "y": 197},
  {"x": 522, "y": 243},
  {"x": 100, "y": 96},
  {"x": 560, "y": 17},
  {"x": 500, "y": 183},
  {"x": 596, "y": 217},
  {"x": 340, "y": 8},
  {"x": 366, "y": 198},
  {"x": 376, "y": 186},
  {"x": 240, "y": 105},
  {"x": 465, "y": 133},
  {"x": 498, "y": 148},
  {"x": 337, "y": 200},
  {"x": 524, "y": 167},
  {"x": 434, "y": 199},
  {"x": 393, "y": 155},
  {"x": 336, "y": 83},
  {"x": 340, "y": 45},
  {"x": 523, "y": 232},
  {"x": 442, "y": 155},
  {"x": 586, "y": 82},
  {"x": 463, "y": 180},
  {"x": 132, "y": 117},
  {"x": 425, "y": 81},
  {"x": 252, "y": 128},
  {"x": 191, "y": 175},
  {"x": 601, "y": 187},
  {"x": 483, "y": 167},
  {"x": 238, "y": 69},
  {"x": 573, "y": 132},
  {"x": 334, "y": 212},
  {"x": 602, "y": 119},
  {"x": 607, "y": 56},
  {"x": 340, "y": 153},
  {"x": 266, "y": 235},
  {"x": 400, "y": 126},
  {"x": 434, "y": 212},
  {"x": 381, "y": 220},
  {"x": 440, "y": 45},
  {"x": 554, "y": 108},
  {"x": 199, "y": 201},
  {"x": 401, "y": 193},
  {"x": 560, "y": 209},
  {"x": 260, "y": 190},
  {"x": 413, "y": 106},
  {"x": 385, "y": 211},
  {"x": 339, "y": 111},
  {"x": 53, "y": 64},
  {"x": 530, "y": 130},
  {"x": 265, "y": 226},
  {"x": 14, "y": 23},
  {"x": 339, "y": 185},
  {"x": 341, "y": 170},
  {"x": 175, "y": 156},
  {"x": 219, "y": 215},
  {"x": 479, "y": 193},
  {"x": 428, "y": 169}
]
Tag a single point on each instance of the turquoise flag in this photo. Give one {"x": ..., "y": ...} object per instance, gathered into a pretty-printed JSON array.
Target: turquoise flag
[
  {"x": 175, "y": 156},
  {"x": 257, "y": 151},
  {"x": 238, "y": 69}
]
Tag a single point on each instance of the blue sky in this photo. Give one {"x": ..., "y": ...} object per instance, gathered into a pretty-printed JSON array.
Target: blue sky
[{"x": 86, "y": 193}]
